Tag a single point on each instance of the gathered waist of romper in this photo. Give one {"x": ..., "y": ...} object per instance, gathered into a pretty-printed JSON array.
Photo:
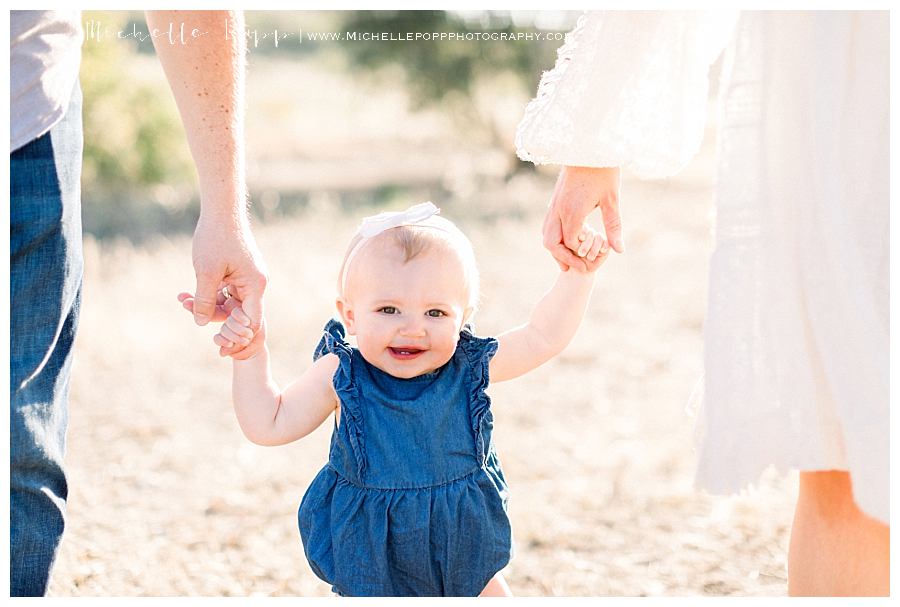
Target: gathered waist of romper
[{"x": 474, "y": 471}]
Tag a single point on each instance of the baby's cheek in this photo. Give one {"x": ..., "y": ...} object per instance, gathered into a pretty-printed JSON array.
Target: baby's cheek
[{"x": 450, "y": 348}]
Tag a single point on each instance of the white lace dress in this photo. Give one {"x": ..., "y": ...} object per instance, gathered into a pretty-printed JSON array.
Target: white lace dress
[{"x": 797, "y": 326}]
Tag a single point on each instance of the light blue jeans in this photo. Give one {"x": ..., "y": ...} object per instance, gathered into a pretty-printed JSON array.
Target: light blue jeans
[{"x": 46, "y": 263}]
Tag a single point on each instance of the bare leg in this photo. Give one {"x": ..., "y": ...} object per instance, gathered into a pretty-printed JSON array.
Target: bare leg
[
  {"x": 497, "y": 587},
  {"x": 836, "y": 550}
]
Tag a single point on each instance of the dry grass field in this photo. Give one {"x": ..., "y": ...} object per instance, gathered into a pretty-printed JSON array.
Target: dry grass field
[{"x": 167, "y": 498}]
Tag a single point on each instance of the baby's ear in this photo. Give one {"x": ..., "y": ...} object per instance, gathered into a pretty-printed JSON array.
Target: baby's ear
[
  {"x": 346, "y": 311},
  {"x": 468, "y": 313}
]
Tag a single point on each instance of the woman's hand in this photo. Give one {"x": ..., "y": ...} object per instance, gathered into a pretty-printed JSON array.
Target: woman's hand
[{"x": 579, "y": 190}]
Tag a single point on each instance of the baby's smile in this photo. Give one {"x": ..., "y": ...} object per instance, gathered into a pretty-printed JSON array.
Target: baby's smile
[
  {"x": 406, "y": 314},
  {"x": 405, "y": 353}
]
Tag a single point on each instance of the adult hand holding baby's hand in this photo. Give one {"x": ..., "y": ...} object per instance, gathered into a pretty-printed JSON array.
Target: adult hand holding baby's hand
[
  {"x": 235, "y": 338},
  {"x": 225, "y": 252},
  {"x": 579, "y": 190},
  {"x": 592, "y": 249},
  {"x": 236, "y": 332}
]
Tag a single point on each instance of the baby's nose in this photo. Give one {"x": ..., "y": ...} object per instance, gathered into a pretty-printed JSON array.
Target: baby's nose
[{"x": 414, "y": 326}]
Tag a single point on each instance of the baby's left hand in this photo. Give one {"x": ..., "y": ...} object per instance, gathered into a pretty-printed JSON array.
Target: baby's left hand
[{"x": 594, "y": 248}]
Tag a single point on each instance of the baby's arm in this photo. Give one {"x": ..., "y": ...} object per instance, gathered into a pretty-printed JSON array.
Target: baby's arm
[
  {"x": 553, "y": 322},
  {"x": 267, "y": 415}
]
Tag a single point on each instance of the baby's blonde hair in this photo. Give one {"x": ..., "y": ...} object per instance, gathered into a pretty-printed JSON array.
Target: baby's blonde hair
[{"x": 415, "y": 239}]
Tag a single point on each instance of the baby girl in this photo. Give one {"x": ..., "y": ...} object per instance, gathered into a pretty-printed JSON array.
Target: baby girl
[{"x": 412, "y": 500}]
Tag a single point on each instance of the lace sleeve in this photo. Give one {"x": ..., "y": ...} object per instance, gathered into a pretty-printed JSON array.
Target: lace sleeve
[{"x": 628, "y": 89}]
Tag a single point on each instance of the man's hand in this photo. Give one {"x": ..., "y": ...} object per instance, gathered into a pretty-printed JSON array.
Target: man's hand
[
  {"x": 225, "y": 254},
  {"x": 206, "y": 75},
  {"x": 235, "y": 338},
  {"x": 579, "y": 190}
]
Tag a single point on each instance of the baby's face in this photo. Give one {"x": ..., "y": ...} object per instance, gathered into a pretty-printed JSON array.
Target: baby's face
[{"x": 406, "y": 316}]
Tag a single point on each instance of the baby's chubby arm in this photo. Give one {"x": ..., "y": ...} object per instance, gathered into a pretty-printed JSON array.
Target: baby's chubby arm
[
  {"x": 266, "y": 414},
  {"x": 554, "y": 320},
  {"x": 270, "y": 417}
]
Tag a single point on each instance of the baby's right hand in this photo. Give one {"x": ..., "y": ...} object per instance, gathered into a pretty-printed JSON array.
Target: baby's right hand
[
  {"x": 236, "y": 331},
  {"x": 235, "y": 326}
]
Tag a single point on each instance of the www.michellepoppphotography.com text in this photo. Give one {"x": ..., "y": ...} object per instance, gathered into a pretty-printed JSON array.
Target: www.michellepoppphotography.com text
[{"x": 181, "y": 33}]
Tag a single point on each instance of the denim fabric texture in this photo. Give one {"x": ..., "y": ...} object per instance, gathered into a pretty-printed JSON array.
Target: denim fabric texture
[
  {"x": 45, "y": 295},
  {"x": 412, "y": 501}
]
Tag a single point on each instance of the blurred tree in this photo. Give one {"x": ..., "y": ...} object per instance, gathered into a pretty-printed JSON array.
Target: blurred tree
[
  {"x": 436, "y": 70},
  {"x": 137, "y": 177},
  {"x": 448, "y": 72}
]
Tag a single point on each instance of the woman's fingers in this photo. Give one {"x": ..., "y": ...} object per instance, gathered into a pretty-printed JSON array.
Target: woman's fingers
[
  {"x": 552, "y": 233},
  {"x": 586, "y": 238}
]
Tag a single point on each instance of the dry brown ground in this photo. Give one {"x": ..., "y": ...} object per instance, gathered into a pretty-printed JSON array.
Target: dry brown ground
[{"x": 168, "y": 498}]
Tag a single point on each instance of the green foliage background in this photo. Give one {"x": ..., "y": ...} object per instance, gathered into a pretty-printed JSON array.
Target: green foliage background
[
  {"x": 138, "y": 177},
  {"x": 436, "y": 71}
]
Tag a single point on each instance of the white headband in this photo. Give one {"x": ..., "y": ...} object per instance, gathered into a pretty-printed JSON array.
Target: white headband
[{"x": 374, "y": 225}]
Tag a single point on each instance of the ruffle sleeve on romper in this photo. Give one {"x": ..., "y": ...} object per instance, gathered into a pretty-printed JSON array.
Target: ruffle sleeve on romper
[
  {"x": 478, "y": 352},
  {"x": 333, "y": 341}
]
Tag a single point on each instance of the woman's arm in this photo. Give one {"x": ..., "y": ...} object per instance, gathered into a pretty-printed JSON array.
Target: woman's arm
[
  {"x": 629, "y": 89},
  {"x": 553, "y": 323}
]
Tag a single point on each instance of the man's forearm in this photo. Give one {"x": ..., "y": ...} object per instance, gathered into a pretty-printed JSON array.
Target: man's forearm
[{"x": 206, "y": 75}]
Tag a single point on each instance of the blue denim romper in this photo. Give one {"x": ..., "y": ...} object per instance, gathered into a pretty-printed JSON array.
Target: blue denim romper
[{"x": 412, "y": 501}]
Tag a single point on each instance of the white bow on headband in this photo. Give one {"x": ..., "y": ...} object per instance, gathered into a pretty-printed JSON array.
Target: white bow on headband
[{"x": 376, "y": 224}]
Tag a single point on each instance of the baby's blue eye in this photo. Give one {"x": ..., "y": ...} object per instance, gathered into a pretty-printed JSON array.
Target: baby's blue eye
[
  {"x": 388, "y": 310},
  {"x": 436, "y": 313}
]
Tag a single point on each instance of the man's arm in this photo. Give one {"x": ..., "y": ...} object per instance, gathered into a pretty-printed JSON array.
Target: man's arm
[{"x": 206, "y": 75}]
